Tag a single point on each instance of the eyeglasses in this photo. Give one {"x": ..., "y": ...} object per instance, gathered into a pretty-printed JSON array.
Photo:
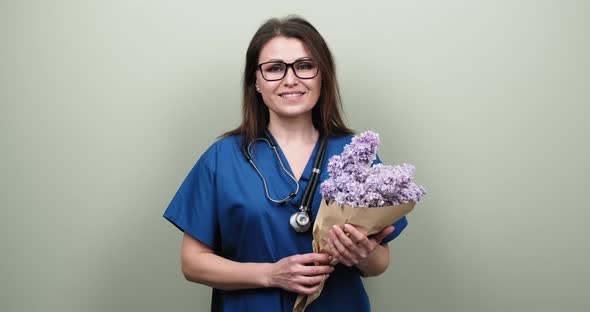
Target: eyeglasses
[{"x": 276, "y": 70}]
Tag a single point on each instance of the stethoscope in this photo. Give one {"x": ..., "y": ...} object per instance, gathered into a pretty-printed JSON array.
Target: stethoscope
[{"x": 300, "y": 221}]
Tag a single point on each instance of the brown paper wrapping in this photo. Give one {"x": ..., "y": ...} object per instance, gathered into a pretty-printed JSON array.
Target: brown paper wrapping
[{"x": 368, "y": 221}]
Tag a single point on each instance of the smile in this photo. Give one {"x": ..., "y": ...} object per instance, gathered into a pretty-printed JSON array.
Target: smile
[{"x": 291, "y": 95}]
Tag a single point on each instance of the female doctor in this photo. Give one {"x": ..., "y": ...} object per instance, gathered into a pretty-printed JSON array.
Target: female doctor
[{"x": 247, "y": 206}]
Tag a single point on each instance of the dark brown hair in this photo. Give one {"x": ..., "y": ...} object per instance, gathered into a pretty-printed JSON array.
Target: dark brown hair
[{"x": 326, "y": 114}]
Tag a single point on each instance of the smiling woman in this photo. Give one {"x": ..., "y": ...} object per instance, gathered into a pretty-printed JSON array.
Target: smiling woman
[{"x": 244, "y": 217}]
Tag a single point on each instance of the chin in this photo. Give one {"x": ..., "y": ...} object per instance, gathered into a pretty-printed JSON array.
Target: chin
[{"x": 293, "y": 112}]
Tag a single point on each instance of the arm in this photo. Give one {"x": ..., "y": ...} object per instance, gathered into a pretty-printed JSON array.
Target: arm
[
  {"x": 201, "y": 265},
  {"x": 352, "y": 247},
  {"x": 376, "y": 262}
]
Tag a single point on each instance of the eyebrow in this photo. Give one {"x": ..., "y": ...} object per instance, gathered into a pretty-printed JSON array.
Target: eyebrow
[{"x": 299, "y": 59}]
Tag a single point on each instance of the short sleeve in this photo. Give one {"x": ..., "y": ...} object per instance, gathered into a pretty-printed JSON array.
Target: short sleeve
[
  {"x": 398, "y": 225},
  {"x": 193, "y": 208}
]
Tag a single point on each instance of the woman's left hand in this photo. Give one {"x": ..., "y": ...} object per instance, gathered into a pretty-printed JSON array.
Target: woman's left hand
[{"x": 350, "y": 247}]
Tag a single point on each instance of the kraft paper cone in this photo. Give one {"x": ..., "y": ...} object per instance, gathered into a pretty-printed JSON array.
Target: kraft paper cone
[{"x": 368, "y": 221}]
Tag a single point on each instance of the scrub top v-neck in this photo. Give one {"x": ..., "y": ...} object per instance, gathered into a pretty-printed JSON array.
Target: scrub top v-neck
[{"x": 222, "y": 203}]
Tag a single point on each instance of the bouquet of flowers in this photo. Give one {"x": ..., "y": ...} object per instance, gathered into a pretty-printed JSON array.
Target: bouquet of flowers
[{"x": 368, "y": 196}]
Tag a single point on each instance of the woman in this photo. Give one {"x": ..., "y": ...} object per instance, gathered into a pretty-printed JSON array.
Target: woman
[{"x": 237, "y": 205}]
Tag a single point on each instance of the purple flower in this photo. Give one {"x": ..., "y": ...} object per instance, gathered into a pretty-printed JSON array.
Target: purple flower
[{"x": 354, "y": 181}]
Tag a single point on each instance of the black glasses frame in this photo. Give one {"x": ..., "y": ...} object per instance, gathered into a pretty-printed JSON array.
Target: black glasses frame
[{"x": 287, "y": 65}]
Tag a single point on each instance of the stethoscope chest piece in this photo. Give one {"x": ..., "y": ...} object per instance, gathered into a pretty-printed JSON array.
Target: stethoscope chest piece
[{"x": 300, "y": 221}]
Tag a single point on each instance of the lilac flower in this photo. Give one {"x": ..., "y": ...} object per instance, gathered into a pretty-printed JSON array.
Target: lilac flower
[{"x": 354, "y": 181}]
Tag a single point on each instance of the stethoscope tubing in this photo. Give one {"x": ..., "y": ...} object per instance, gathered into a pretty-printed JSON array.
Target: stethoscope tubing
[
  {"x": 251, "y": 161},
  {"x": 313, "y": 180}
]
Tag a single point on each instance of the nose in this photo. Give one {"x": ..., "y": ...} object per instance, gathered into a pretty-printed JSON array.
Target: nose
[{"x": 290, "y": 78}]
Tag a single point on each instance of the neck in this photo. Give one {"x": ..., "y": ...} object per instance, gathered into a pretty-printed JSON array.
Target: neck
[{"x": 293, "y": 130}]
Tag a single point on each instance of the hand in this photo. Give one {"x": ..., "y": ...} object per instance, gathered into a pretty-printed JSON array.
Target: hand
[
  {"x": 350, "y": 247},
  {"x": 299, "y": 274}
]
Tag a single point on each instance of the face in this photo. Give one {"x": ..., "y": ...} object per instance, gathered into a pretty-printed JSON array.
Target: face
[{"x": 291, "y": 96}]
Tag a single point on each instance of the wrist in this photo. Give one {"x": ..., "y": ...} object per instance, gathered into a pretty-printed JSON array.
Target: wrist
[
  {"x": 266, "y": 275},
  {"x": 375, "y": 263},
  {"x": 362, "y": 265}
]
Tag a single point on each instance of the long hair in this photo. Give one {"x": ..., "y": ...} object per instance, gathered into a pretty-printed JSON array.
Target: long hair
[{"x": 326, "y": 114}]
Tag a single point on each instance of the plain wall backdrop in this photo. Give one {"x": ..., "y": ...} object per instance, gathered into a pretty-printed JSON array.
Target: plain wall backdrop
[{"x": 106, "y": 105}]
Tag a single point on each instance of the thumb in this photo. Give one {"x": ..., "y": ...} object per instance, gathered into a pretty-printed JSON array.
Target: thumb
[{"x": 381, "y": 235}]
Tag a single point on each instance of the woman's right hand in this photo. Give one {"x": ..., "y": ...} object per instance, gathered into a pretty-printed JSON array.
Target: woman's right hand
[{"x": 298, "y": 273}]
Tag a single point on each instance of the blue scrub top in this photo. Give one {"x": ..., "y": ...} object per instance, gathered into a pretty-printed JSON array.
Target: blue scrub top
[{"x": 222, "y": 203}]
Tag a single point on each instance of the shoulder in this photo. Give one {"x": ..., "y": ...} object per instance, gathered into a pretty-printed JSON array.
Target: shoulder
[
  {"x": 225, "y": 144},
  {"x": 222, "y": 149},
  {"x": 336, "y": 143},
  {"x": 340, "y": 139}
]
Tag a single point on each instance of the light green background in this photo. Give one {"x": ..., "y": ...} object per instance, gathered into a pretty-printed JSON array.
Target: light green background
[{"x": 106, "y": 105}]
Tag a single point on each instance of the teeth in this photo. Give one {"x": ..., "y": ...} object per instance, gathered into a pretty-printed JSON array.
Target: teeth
[{"x": 291, "y": 95}]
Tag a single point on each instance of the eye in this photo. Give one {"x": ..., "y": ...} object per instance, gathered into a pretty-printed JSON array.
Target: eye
[
  {"x": 274, "y": 68},
  {"x": 305, "y": 66}
]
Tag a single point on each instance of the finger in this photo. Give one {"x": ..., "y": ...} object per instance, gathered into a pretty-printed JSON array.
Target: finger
[
  {"x": 309, "y": 280},
  {"x": 336, "y": 256},
  {"x": 344, "y": 239},
  {"x": 345, "y": 256},
  {"x": 333, "y": 250},
  {"x": 312, "y": 258},
  {"x": 358, "y": 237},
  {"x": 316, "y": 270},
  {"x": 306, "y": 290},
  {"x": 381, "y": 235}
]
